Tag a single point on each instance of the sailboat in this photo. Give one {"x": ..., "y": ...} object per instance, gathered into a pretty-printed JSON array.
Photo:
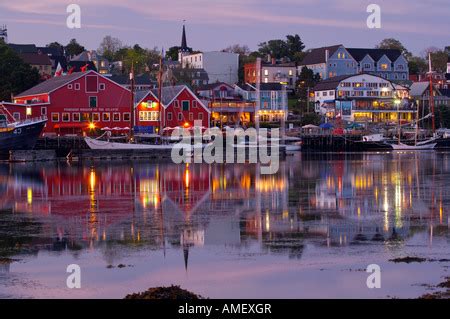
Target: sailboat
[{"x": 429, "y": 144}]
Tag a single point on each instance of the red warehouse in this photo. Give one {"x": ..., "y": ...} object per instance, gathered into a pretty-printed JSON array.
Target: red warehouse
[{"x": 75, "y": 103}]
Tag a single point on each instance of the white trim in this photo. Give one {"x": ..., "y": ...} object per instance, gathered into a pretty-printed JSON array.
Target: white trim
[
  {"x": 55, "y": 113},
  {"x": 115, "y": 113},
  {"x": 62, "y": 117},
  {"x": 192, "y": 93},
  {"x": 96, "y": 102}
]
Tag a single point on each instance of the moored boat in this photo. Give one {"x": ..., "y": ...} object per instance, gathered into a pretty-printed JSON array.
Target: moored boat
[{"x": 19, "y": 135}]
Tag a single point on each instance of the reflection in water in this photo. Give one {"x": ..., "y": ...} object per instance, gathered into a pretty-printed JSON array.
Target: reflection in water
[{"x": 316, "y": 200}]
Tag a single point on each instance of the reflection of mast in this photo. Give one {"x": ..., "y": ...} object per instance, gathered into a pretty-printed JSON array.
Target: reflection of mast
[
  {"x": 258, "y": 95},
  {"x": 186, "y": 256},
  {"x": 431, "y": 99}
]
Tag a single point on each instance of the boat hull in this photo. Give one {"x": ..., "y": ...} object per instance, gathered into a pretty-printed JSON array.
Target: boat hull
[
  {"x": 22, "y": 137},
  {"x": 404, "y": 147}
]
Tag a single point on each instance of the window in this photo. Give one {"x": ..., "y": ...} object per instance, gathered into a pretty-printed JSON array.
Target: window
[
  {"x": 43, "y": 110},
  {"x": 266, "y": 72},
  {"x": 191, "y": 116},
  {"x": 148, "y": 116},
  {"x": 194, "y": 103},
  {"x": 325, "y": 93},
  {"x": 331, "y": 93},
  {"x": 126, "y": 117},
  {"x": 66, "y": 117},
  {"x": 169, "y": 116},
  {"x": 200, "y": 116},
  {"x": 291, "y": 73},
  {"x": 16, "y": 116},
  {"x": 186, "y": 105},
  {"x": 86, "y": 117},
  {"x": 91, "y": 84},
  {"x": 77, "y": 86},
  {"x": 266, "y": 80},
  {"x": 180, "y": 116},
  {"x": 116, "y": 117},
  {"x": 96, "y": 117},
  {"x": 55, "y": 117},
  {"x": 384, "y": 66},
  {"x": 106, "y": 117},
  {"x": 70, "y": 86},
  {"x": 76, "y": 117},
  {"x": 102, "y": 86},
  {"x": 177, "y": 104},
  {"x": 92, "y": 101}
]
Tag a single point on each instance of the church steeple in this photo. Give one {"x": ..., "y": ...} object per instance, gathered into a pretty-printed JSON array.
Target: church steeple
[{"x": 184, "y": 46}]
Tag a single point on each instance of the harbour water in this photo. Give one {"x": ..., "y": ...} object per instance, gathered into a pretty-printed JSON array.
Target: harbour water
[{"x": 224, "y": 231}]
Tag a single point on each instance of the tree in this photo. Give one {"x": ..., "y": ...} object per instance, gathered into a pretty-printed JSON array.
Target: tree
[
  {"x": 172, "y": 53},
  {"x": 291, "y": 48},
  {"x": 109, "y": 47},
  {"x": 439, "y": 59},
  {"x": 17, "y": 76},
  {"x": 394, "y": 44},
  {"x": 305, "y": 83},
  {"x": 239, "y": 49},
  {"x": 417, "y": 65},
  {"x": 74, "y": 48}
]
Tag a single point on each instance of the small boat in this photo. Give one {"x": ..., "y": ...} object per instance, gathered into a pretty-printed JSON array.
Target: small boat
[
  {"x": 19, "y": 135},
  {"x": 405, "y": 147}
]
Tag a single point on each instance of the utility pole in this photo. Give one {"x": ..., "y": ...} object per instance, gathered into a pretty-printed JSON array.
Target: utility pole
[{"x": 160, "y": 105}]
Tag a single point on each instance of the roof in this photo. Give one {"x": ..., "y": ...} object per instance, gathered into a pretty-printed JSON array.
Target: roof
[
  {"x": 184, "y": 46},
  {"x": 23, "y": 48},
  {"x": 52, "y": 51},
  {"x": 212, "y": 86},
  {"x": 275, "y": 86},
  {"x": 35, "y": 58},
  {"x": 317, "y": 56},
  {"x": 193, "y": 74},
  {"x": 359, "y": 53},
  {"x": 83, "y": 56},
  {"x": 50, "y": 85},
  {"x": 79, "y": 64},
  {"x": 143, "y": 79},
  {"x": 331, "y": 83},
  {"x": 418, "y": 88},
  {"x": 169, "y": 93}
]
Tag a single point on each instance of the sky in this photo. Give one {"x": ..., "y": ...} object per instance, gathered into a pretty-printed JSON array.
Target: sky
[{"x": 216, "y": 24}]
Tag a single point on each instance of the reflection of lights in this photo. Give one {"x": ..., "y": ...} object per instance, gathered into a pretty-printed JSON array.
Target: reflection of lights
[
  {"x": 266, "y": 185},
  {"x": 92, "y": 180},
  {"x": 186, "y": 177},
  {"x": 30, "y": 196},
  {"x": 267, "y": 221}
]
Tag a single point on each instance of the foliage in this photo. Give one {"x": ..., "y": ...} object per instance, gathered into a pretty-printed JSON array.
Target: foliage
[
  {"x": 311, "y": 118},
  {"x": 290, "y": 48},
  {"x": 109, "y": 47},
  {"x": 73, "y": 48},
  {"x": 442, "y": 116},
  {"x": 417, "y": 65},
  {"x": 391, "y": 43},
  {"x": 239, "y": 49},
  {"x": 17, "y": 76}
]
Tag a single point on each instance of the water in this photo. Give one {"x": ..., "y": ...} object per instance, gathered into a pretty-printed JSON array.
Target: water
[{"x": 224, "y": 231}]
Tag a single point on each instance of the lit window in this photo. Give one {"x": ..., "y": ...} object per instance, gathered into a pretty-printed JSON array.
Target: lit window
[
  {"x": 384, "y": 66},
  {"x": 96, "y": 117},
  {"x": 76, "y": 117},
  {"x": 55, "y": 117},
  {"x": 266, "y": 72},
  {"x": 106, "y": 117}
]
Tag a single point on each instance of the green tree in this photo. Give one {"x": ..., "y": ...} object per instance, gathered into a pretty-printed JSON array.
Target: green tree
[
  {"x": 391, "y": 43},
  {"x": 238, "y": 49},
  {"x": 290, "y": 48},
  {"x": 439, "y": 61},
  {"x": 417, "y": 65},
  {"x": 73, "y": 48},
  {"x": 305, "y": 84},
  {"x": 17, "y": 76},
  {"x": 443, "y": 116},
  {"x": 109, "y": 47}
]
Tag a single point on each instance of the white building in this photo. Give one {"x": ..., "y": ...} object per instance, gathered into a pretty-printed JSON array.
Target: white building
[
  {"x": 363, "y": 98},
  {"x": 220, "y": 66},
  {"x": 4, "y": 33}
]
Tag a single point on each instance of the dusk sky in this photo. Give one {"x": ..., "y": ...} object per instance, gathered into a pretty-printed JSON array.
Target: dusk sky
[{"x": 215, "y": 24}]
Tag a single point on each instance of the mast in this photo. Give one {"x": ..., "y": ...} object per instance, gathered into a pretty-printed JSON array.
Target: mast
[
  {"x": 132, "y": 103},
  {"x": 258, "y": 94},
  {"x": 160, "y": 78},
  {"x": 417, "y": 124},
  {"x": 431, "y": 98}
]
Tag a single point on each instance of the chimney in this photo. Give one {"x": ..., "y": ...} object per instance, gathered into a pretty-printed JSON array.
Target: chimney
[
  {"x": 327, "y": 55},
  {"x": 274, "y": 61}
]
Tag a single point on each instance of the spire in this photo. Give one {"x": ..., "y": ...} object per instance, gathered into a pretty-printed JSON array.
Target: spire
[{"x": 183, "y": 38}]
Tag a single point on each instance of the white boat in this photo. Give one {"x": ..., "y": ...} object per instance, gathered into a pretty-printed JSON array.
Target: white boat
[
  {"x": 404, "y": 147},
  {"x": 95, "y": 144}
]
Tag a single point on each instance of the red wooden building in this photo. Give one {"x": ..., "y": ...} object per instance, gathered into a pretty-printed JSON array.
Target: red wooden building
[
  {"x": 181, "y": 107},
  {"x": 82, "y": 102}
]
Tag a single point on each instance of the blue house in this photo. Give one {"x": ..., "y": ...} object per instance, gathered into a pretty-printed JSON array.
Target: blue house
[{"x": 337, "y": 60}]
